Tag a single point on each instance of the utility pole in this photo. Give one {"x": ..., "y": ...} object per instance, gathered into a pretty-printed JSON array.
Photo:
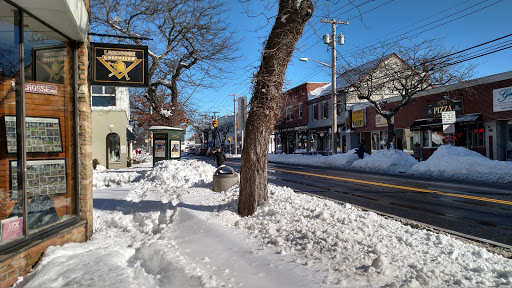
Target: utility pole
[
  {"x": 332, "y": 40},
  {"x": 234, "y": 110}
]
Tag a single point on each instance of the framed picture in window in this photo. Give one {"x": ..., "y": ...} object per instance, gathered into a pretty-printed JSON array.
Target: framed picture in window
[
  {"x": 44, "y": 177},
  {"x": 42, "y": 135},
  {"x": 48, "y": 63}
]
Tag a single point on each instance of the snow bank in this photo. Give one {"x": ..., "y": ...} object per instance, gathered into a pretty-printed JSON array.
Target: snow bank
[
  {"x": 447, "y": 162},
  {"x": 293, "y": 240},
  {"x": 387, "y": 161},
  {"x": 343, "y": 160},
  {"x": 463, "y": 164},
  {"x": 362, "y": 249}
]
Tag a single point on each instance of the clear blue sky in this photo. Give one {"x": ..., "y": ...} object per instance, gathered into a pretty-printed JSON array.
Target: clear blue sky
[{"x": 487, "y": 20}]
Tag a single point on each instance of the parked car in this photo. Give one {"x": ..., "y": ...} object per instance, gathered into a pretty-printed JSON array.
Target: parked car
[
  {"x": 201, "y": 151},
  {"x": 192, "y": 151},
  {"x": 210, "y": 151}
]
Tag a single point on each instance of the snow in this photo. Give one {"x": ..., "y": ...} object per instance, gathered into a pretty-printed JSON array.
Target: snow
[
  {"x": 459, "y": 163},
  {"x": 447, "y": 162},
  {"x": 165, "y": 227}
]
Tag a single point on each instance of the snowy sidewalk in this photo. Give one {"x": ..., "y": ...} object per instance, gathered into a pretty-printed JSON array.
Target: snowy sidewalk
[{"x": 164, "y": 227}]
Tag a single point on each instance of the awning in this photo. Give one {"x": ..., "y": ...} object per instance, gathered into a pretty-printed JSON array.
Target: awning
[
  {"x": 129, "y": 135},
  {"x": 431, "y": 123}
]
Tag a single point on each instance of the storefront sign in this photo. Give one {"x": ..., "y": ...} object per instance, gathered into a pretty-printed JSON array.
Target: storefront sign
[
  {"x": 502, "y": 99},
  {"x": 358, "y": 118},
  {"x": 381, "y": 121},
  {"x": 11, "y": 227},
  {"x": 448, "y": 128},
  {"x": 444, "y": 104},
  {"x": 40, "y": 88},
  {"x": 119, "y": 65}
]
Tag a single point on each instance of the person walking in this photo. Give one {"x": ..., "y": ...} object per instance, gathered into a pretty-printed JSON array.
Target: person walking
[
  {"x": 360, "y": 150},
  {"x": 219, "y": 157}
]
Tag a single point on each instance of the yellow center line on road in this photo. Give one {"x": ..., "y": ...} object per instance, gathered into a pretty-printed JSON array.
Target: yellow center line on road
[{"x": 400, "y": 187}]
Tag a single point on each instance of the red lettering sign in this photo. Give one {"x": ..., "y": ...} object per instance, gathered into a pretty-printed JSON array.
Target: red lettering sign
[{"x": 40, "y": 88}]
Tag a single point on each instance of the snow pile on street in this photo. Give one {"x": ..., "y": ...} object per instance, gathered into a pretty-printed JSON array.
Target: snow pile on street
[
  {"x": 388, "y": 160},
  {"x": 170, "y": 230},
  {"x": 343, "y": 160},
  {"x": 447, "y": 162},
  {"x": 461, "y": 164}
]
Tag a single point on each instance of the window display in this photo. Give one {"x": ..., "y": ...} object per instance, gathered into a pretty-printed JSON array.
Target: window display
[
  {"x": 41, "y": 134},
  {"x": 44, "y": 177}
]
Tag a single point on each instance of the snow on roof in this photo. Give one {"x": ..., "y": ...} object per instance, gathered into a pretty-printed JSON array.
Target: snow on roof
[
  {"x": 164, "y": 128},
  {"x": 347, "y": 78}
]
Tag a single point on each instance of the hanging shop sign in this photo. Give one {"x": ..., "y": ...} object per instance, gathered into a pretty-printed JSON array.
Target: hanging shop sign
[
  {"x": 119, "y": 65},
  {"x": 444, "y": 104},
  {"x": 358, "y": 118},
  {"x": 502, "y": 99}
]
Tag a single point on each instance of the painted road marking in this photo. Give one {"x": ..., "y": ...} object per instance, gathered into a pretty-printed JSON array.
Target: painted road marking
[{"x": 401, "y": 187}]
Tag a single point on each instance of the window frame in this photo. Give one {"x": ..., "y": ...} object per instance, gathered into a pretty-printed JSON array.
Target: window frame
[{"x": 105, "y": 95}]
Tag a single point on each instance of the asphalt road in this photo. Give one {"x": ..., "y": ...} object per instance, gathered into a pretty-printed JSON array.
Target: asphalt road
[{"x": 482, "y": 211}]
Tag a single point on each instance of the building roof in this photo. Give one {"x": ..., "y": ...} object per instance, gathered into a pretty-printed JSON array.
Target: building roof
[
  {"x": 164, "y": 128},
  {"x": 349, "y": 77}
]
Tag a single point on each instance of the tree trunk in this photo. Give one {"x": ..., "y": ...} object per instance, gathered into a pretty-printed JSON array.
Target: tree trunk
[
  {"x": 266, "y": 98},
  {"x": 391, "y": 132}
]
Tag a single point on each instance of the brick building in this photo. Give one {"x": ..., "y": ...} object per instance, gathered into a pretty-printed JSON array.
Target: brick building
[
  {"x": 483, "y": 123},
  {"x": 290, "y": 128},
  {"x": 45, "y": 127}
]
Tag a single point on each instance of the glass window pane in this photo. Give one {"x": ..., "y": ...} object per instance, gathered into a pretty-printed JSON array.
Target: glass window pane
[
  {"x": 97, "y": 90},
  {"x": 426, "y": 138},
  {"x": 49, "y": 134},
  {"x": 11, "y": 192},
  {"x": 110, "y": 90},
  {"x": 113, "y": 146},
  {"x": 103, "y": 101}
]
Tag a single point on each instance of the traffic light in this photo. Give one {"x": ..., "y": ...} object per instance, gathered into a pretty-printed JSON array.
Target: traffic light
[
  {"x": 229, "y": 140},
  {"x": 187, "y": 122},
  {"x": 215, "y": 123}
]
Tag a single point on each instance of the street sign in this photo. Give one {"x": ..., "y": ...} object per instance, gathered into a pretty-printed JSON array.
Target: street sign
[
  {"x": 448, "y": 117},
  {"x": 448, "y": 128}
]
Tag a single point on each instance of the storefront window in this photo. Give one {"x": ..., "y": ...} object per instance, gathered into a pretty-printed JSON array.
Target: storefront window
[
  {"x": 11, "y": 185},
  {"x": 509, "y": 142},
  {"x": 437, "y": 138},
  {"x": 42, "y": 179},
  {"x": 478, "y": 135},
  {"x": 426, "y": 138}
]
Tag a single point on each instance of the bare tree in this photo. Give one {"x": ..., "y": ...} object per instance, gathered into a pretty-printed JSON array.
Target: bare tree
[
  {"x": 418, "y": 67},
  {"x": 191, "y": 42},
  {"x": 222, "y": 132},
  {"x": 266, "y": 97}
]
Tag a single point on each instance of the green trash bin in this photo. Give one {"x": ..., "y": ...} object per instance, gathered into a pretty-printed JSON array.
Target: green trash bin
[{"x": 222, "y": 181}]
